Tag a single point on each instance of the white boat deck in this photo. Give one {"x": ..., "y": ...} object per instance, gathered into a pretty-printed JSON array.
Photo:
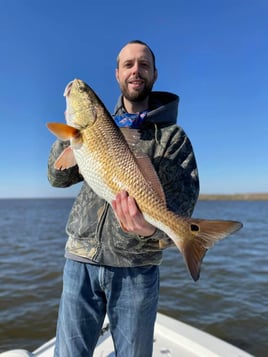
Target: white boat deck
[{"x": 172, "y": 339}]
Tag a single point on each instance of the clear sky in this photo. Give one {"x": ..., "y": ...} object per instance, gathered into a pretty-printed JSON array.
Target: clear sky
[{"x": 213, "y": 54}]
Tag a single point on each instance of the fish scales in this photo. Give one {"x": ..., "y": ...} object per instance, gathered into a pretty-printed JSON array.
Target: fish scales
[
  {"x": 105, "y": 144},
  {"x": 109, "y": 165}
]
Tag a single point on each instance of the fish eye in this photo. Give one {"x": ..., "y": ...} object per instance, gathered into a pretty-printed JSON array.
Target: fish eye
[
  {"x": 82, "y": 89},
  {"x": 194, "y": 227}
]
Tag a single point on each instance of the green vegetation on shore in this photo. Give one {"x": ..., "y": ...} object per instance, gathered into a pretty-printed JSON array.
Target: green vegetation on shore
[{"x": 237, "y": 197}]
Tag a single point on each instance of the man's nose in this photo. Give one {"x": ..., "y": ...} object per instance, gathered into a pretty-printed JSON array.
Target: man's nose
[{"x": 136, "y": 68}]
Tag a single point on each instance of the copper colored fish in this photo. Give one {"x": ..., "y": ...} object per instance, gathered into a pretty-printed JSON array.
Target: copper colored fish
[{"x": 110, "y": 162}]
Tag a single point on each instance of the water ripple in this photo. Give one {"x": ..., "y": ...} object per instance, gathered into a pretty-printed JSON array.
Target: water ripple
[{"x": 229, "y": 301}]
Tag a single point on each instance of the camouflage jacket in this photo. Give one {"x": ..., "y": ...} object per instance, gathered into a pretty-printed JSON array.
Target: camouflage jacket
[{"x": 95, "y": 235}]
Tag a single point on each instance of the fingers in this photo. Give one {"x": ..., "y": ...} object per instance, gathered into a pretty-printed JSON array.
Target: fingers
[
  {"x": 128, "y": 208},
  {"x": 129, "y": 215},
  {"x": 123, "y": 207}
]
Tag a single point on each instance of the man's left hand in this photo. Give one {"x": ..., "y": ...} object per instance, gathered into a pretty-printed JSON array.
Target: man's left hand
[{"x": 130, "y": 216}]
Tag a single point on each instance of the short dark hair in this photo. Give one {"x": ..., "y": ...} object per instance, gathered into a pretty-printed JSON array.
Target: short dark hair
[{"x": 140, "y": 43}]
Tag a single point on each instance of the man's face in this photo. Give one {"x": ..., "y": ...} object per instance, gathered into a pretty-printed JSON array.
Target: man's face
[{"x": 135, "y": 73}]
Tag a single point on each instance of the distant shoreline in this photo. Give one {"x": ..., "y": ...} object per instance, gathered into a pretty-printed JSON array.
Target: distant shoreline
[
  {"x": 235, "y": 197},
  {"x": 257, "y": 196}
]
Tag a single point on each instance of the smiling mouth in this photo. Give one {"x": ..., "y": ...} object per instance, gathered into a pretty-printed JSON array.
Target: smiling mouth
[{"x": 136, "y": 83}]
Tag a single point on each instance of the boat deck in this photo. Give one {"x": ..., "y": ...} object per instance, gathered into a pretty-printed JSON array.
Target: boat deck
[{"x": 172, "y": 338}]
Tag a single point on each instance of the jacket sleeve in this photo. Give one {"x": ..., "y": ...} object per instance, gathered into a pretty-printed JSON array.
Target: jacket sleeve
[
  {"x": 61, "y": 178},
  {"x": 179, "y": 174}
]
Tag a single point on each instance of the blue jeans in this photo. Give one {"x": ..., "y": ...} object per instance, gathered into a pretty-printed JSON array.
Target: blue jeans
[{"x": 128, "y": 295}]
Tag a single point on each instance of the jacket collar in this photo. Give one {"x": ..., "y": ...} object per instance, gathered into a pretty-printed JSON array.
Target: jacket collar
[{"x": 163, "y": 108}]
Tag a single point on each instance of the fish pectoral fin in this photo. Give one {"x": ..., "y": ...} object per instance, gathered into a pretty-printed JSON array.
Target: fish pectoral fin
[
  {"x": 63, "y": 132},
  {"x": 66, "y": 159},
  {"x": 203, "y": 235},
  {"x": 164, "y": 244}
]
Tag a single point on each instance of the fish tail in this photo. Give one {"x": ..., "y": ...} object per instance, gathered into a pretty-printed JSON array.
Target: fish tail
[{"x": 203, "y": 235}]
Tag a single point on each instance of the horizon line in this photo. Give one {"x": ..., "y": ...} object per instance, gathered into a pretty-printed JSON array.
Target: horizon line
[{"x": 202, "y": 196}]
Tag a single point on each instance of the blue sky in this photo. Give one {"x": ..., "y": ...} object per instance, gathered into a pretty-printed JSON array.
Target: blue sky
[{"x": 213, "y": 54}]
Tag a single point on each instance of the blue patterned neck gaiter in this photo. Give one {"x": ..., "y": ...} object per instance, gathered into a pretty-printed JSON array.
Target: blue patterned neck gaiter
[{"x": 130, "y": 120}]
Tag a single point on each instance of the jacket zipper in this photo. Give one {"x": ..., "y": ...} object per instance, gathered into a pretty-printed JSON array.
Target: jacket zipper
[{"x": 99, "y": 229}]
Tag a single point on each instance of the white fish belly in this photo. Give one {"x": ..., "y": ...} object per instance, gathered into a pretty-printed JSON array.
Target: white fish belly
[{"x": 91, "y": 171}]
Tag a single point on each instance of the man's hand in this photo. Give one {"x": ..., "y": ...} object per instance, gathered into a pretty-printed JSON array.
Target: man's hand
[{"x": 129, "y": 215}]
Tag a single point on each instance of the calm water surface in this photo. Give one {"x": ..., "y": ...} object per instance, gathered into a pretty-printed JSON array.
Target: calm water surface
[{"x": 229, "y": 301}]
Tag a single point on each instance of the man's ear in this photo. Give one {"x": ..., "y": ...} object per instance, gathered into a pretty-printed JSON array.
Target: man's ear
[
  {"x": 155, "y": 74},
  {"x": 117, "y": 75}
]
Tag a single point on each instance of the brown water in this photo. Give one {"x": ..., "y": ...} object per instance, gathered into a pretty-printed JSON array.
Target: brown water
[{"x": 229, "y": 301}]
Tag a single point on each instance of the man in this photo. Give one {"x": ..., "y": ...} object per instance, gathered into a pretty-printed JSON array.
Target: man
[{"x": 113, "y": 254}]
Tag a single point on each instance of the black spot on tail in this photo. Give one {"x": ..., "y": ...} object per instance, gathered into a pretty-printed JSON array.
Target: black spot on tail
[{"x": 194, "y": 227}]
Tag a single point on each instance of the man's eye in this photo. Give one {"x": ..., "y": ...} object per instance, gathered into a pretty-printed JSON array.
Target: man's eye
[{"x": 145, "y": 64}]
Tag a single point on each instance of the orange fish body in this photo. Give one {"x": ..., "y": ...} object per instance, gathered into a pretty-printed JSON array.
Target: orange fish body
[{"x": 110, "y": 162}]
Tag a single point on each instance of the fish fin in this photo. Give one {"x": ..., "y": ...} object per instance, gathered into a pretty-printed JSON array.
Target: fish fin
[
  {"x": 164, "y": 244},
  {"x": 204, "y": 234},
  {"x": 132, "y": 137},
  {"x": 148, "y": 171},
  {"x": 63, "y": 132},
  {"x": 65, "y": 160}
]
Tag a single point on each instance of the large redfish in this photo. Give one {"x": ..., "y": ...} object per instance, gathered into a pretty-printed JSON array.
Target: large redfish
[{"x": 110, "y": 162}]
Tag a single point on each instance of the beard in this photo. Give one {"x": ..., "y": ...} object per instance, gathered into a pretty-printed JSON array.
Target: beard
[{"x": 138, "y": 95}]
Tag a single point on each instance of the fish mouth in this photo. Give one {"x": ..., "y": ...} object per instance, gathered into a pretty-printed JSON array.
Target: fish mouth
[
  {"x": 68, "y": 89},
  {"x": 79, "y": 85}
]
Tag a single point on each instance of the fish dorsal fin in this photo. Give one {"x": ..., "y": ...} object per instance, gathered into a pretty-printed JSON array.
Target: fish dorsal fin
[
  {"x": 65, "y": 160},
  {"x": 132, "y": 136},
  {"x": 63, "y": 132},
  {"x": 146, "y": 167}
]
